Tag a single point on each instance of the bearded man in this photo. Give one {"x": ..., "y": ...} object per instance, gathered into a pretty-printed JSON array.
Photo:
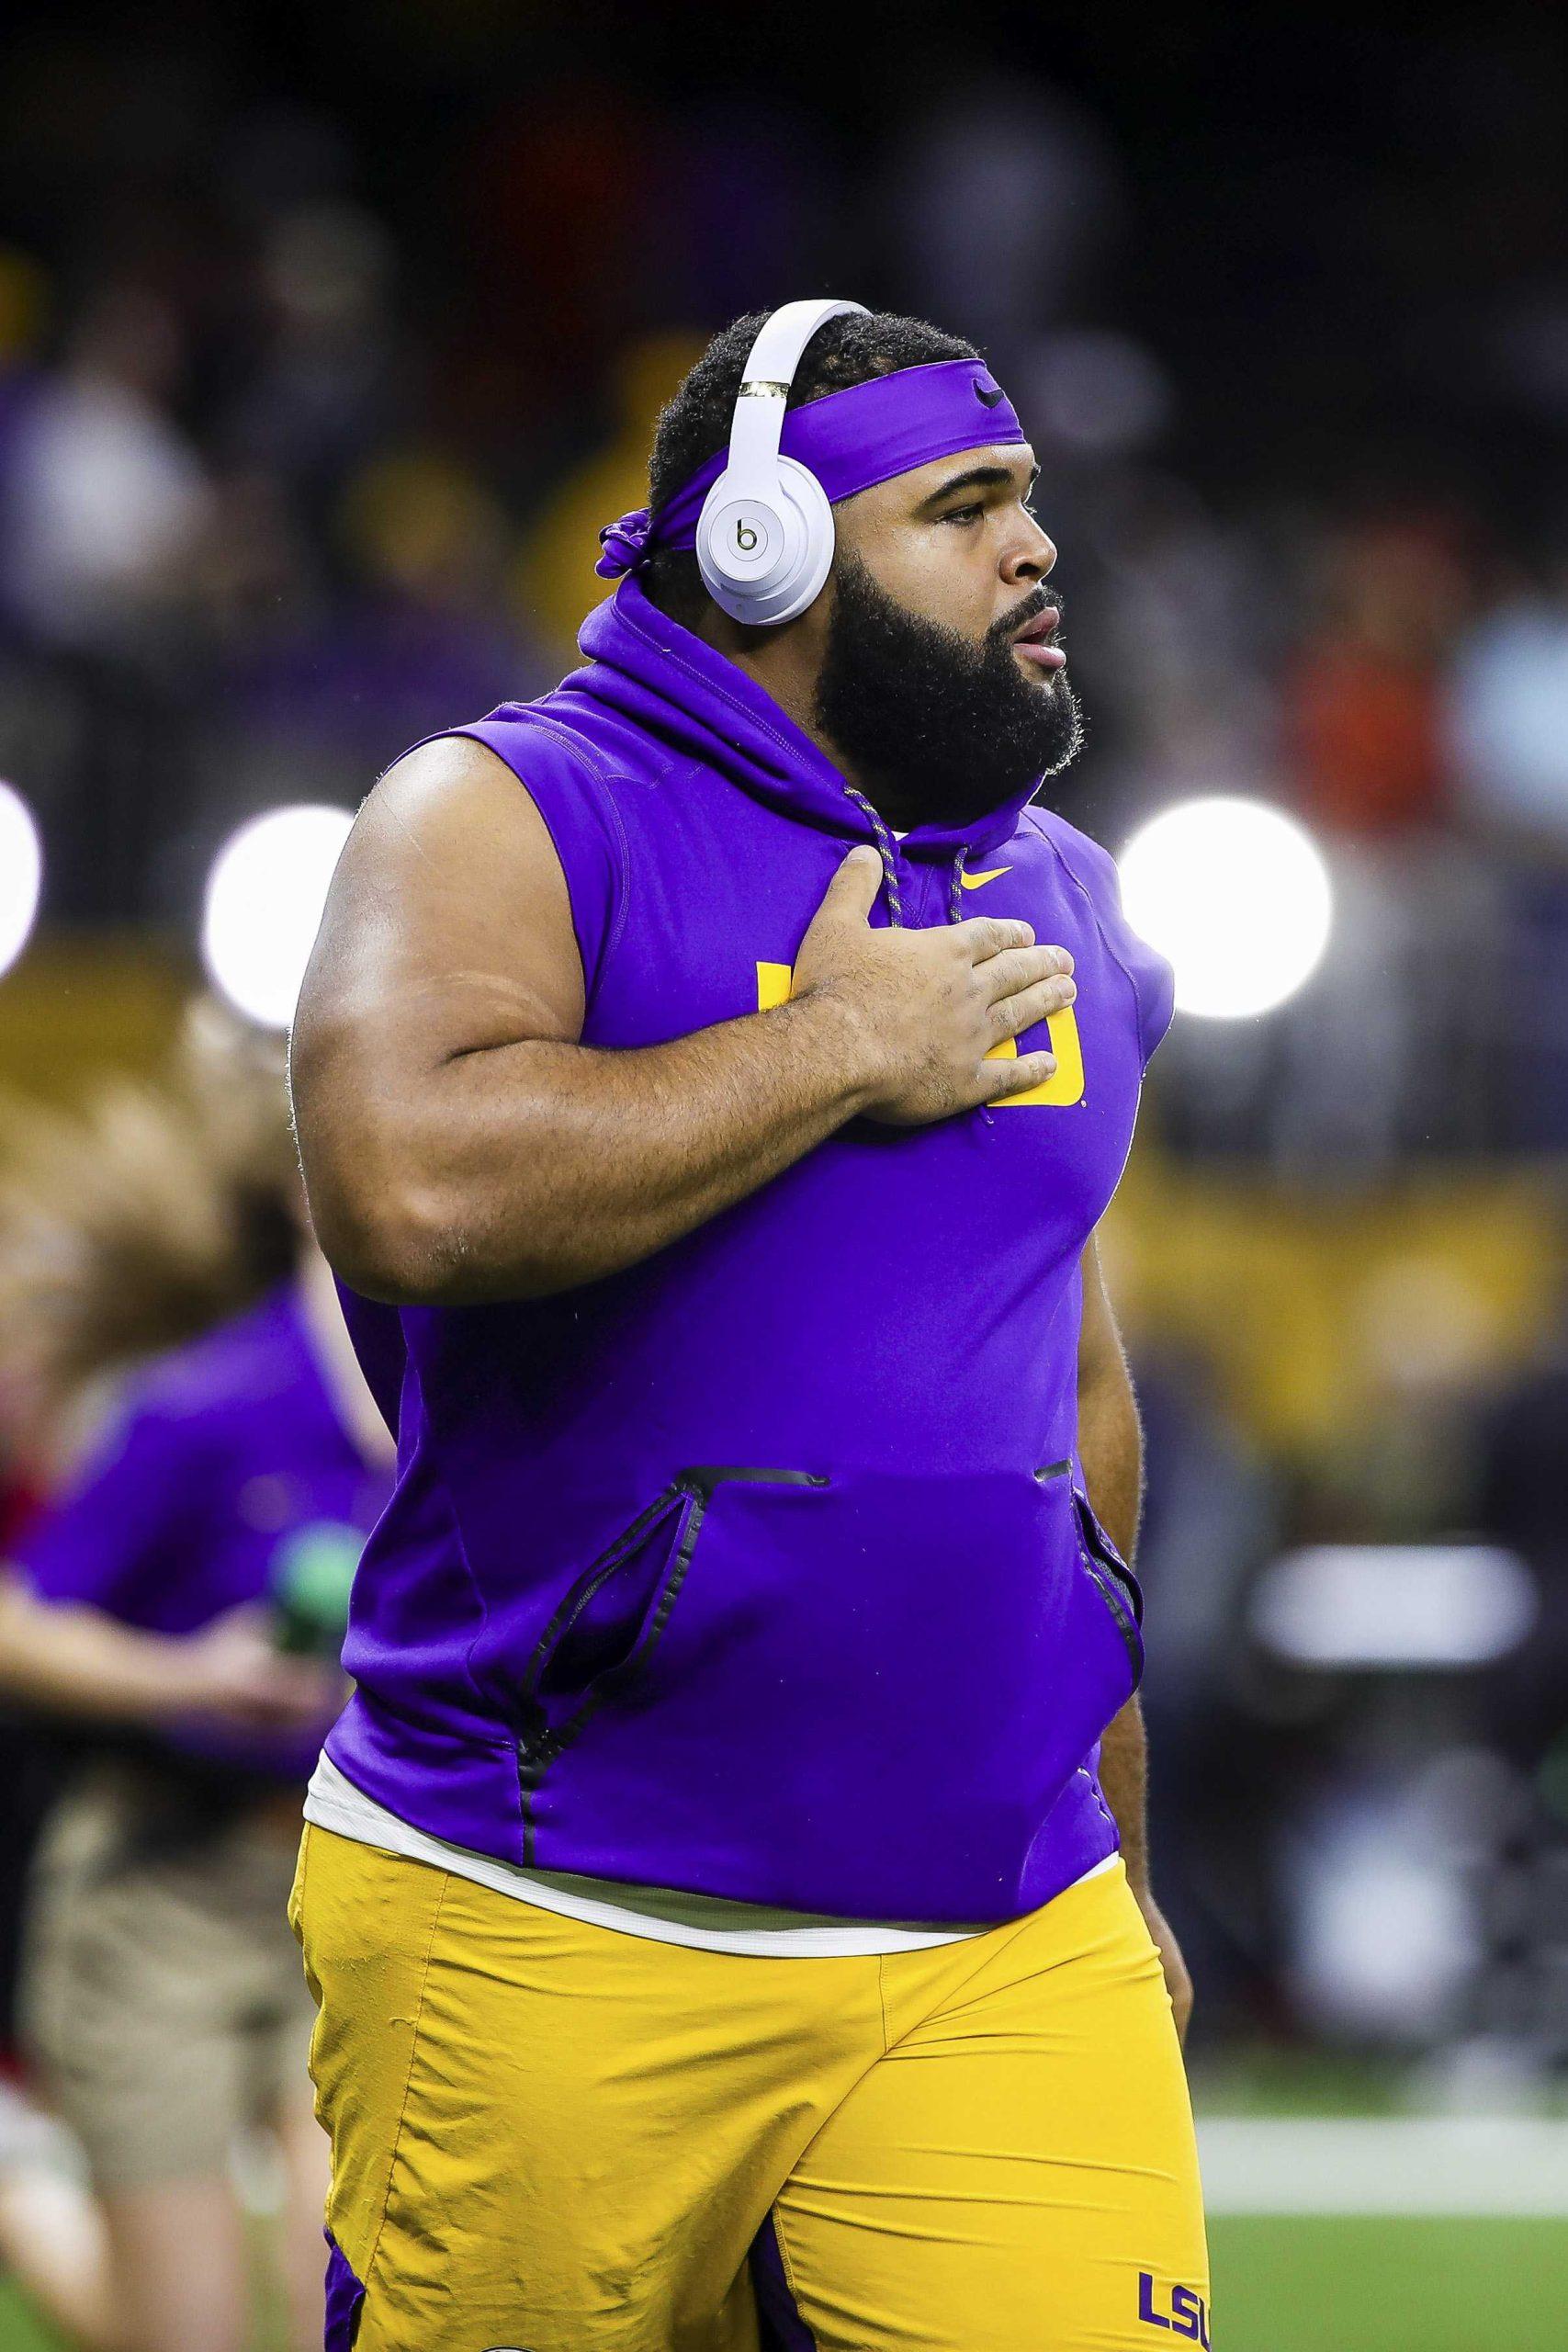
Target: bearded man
[{"x": 725, "y": 1893}]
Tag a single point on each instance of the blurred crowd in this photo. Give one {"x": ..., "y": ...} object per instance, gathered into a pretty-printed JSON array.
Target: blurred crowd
[
  {"x": 315, "y": 387},
  {"x": 314, "y": 391}
]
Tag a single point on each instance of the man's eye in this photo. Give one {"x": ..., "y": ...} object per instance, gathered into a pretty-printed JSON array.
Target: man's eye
[{"x": 962, "y": 513}]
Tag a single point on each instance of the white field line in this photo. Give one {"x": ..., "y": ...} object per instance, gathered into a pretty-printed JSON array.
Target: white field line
[{"x": 1371, "y": 2165}]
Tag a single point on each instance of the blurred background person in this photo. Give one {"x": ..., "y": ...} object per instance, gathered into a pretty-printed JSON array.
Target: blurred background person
[{"x": 176, "y": 1605}]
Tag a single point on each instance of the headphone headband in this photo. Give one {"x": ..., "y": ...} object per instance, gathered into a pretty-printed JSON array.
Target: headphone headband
[
  {"x": 763, "y": 398},
  {"x": 781, "y": 343}
]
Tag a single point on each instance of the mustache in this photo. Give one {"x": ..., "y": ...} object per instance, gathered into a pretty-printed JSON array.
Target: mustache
[{"x": 1039, "y": 600}]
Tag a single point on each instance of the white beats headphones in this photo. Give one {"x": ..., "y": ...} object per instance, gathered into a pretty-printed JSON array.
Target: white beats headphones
[{"x": 765, "y": 535}]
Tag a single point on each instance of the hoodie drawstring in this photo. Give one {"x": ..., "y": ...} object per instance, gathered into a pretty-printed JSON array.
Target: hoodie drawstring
[
  {"x": 890, "y": 870},
  {"x": 885, "y": 848}
]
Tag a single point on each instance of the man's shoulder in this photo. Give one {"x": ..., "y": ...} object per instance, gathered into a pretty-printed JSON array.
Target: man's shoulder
[
  {"x": 552, "y": 732},
  {"x": 565, "y": 732},
  {"x": 463, "y": 776}
]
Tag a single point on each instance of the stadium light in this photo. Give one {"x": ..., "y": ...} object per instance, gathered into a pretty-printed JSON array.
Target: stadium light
[
  {"x": 1236, "y": 894},
  {"x": 21, "y": 874},
  {"x": 1395, "y": 1605},
  {"x": 265, "y": 897}
]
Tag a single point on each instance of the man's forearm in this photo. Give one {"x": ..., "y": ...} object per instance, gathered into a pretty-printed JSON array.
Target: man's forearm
[
  {"x": 81, "y": 1662},
  {"x": 1123, "y": 1778},
  {"x": 543, "y": 1165},
  {"x": 1111, "y": 1449}
]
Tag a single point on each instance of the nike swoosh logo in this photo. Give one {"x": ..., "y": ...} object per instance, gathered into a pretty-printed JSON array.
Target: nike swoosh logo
[
  {"x": 973, "y": 881},
  {"x": 992, "y": 399}
]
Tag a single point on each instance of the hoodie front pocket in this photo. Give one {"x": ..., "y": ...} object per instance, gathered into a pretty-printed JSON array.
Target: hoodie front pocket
[
  {"x": 600, "y": 1641},
  {"x": 1118, "y": 1586},
  {"x": 870, "y": 1696},
  {"x": 610, "y": 1617}
]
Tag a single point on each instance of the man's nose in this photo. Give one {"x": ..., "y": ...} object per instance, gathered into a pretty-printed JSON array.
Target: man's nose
[{"x": 1029, "y": 556}]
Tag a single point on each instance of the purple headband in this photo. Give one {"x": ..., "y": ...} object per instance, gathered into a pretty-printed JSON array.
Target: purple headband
[{"x": 850, "y": 440}]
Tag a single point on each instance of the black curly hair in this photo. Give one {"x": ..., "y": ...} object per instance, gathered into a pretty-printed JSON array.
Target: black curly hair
[{"x": 849, "y": 349}]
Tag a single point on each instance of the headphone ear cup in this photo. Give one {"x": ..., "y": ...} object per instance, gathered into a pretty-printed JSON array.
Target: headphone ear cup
[
  {"x": 745, "y": 539},
  {"x": 765, "y": 554},
  {"x": 806, "y": 495}
]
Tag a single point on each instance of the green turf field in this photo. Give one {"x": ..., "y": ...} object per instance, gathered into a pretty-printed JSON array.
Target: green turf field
[
  {"x": 1377, "y": 2285},
  {"x": 16, "y": 2331},
  {"x": 1317, "y": 2285}
]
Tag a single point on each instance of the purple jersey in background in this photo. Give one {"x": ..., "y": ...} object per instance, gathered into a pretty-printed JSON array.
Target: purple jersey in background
[{"x": 227, "y": 1477}]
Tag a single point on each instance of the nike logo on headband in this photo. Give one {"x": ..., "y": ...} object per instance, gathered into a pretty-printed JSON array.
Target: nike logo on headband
[{"x": 992, "y": 399}]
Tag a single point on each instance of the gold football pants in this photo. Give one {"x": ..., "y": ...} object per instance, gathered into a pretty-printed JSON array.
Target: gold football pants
[{"x": 552, "y": 2137}]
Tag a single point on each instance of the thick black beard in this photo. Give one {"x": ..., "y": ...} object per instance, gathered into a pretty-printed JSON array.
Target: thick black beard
[{"x": 939, "y": 731}]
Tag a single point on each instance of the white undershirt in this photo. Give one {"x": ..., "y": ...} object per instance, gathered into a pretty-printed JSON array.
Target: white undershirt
[{"x": 333, "y": 1802}]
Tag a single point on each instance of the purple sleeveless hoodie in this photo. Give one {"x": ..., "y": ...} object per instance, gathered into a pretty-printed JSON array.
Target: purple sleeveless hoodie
[{"x": 765, "y": 1569}]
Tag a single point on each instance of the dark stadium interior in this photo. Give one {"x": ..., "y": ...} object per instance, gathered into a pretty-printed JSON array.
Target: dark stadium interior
[{"x": 327, "y": 341}]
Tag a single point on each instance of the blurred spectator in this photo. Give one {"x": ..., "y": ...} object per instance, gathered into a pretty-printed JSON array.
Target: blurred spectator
[
  {"x": 104, "y": 498},
  {"x": 1508, "y": 719},
  {"x": 1364, "y": 709},
  {"x": 1508, "y": 715},
  {"x": 177, "y": 1604},
  {"x": 324, "y": 385},
  {"x": 997, "y": 200}
]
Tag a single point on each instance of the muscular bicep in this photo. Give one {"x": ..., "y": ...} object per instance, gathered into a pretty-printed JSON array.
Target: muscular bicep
[
  {"x": 447, "y": 933},
  {"x": 447, "y": 925}
]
